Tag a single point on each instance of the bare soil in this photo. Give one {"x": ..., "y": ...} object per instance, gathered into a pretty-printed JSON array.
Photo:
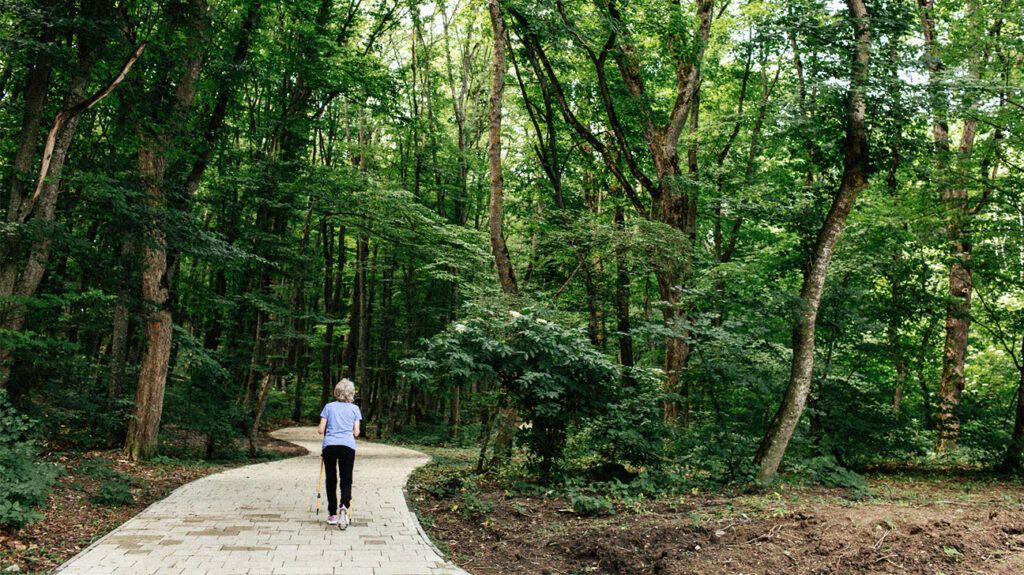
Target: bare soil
[
  {"x": 72, "y": 521},
  {"x": 909, "y": 527}
]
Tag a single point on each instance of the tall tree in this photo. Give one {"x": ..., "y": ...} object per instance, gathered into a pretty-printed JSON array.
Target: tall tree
[
  {"x": 160, "y": 136},
  {"x": 502, "y": 261},
  {"x": 958, "y": 214},
  {"x": 854, "y": 179}
]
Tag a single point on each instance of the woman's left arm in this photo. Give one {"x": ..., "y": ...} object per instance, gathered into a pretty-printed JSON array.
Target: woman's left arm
[{"x": 323, "y": 426}]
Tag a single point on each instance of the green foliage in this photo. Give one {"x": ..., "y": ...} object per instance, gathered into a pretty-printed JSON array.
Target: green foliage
[
  {"x": 24, "y": 483},
  {"x": 203, "y": 403},
  {"x": 631, "y": 429},
  {"x": 97, "y": 468},
  {"x": 712, "y": 455},
  {"x": 15, "y": 428},
  {"x": 824, "y": 470},
  {"x": 591, "y": 506},
  {"x": 551, "y": 374},
  {"x": 113, "y": 493},
  {"x": 114, "y": 487},
  {"x": 436, "y": 435},
  {"x": 24, "y": 480},
  {"x": 472, "y": 505},
  {"x": 350, "y": 162}
]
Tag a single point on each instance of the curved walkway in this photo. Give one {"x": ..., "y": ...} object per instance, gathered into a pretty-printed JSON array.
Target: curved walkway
[{"x": 259, "y": 520}]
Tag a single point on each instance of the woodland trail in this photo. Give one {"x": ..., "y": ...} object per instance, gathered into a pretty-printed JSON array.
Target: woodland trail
[{"x": 259, "y": 520}]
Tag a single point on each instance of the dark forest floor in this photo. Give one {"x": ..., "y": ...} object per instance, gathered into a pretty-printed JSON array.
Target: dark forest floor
[
  {"x": 910, "y": 525},
  {"x": 88, "y": 501}
]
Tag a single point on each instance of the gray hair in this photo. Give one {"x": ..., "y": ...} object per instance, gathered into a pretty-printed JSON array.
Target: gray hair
[{"x": 345, "y": 390}]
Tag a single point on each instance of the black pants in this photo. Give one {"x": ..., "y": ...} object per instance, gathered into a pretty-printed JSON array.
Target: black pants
[{"x": 338, "y": 458}]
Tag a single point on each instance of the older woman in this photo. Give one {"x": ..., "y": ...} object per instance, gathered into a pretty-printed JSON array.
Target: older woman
[{"x": 339, "y": 424}]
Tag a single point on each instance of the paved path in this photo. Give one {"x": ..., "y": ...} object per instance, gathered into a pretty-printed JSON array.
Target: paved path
[{"x": 259, "y": 520}]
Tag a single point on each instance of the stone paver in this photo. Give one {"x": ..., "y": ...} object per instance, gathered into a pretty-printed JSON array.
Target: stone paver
[{"x": 259, "y": 520}]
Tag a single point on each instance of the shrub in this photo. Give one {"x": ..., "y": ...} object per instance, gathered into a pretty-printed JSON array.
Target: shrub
[
  {"x": 472, "y": 505},
  {"x": 824, "y": 470},
  {"x": 711, "y": 453},
  {"x": 24, "y": 484},
  {"x": 24, "y": 481},
  {"x": 115, "y": 492},
  {"x": 631, "y": 429},
  {"x": 590, "y": 506},
  {"x": 549, "y": 373},
  {"x": 97, "y": 468},
  {"x": 202, "y": 404}
]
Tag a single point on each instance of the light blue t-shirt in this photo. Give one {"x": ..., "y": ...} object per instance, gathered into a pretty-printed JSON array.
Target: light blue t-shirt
[{"x": 340, "y": 416}]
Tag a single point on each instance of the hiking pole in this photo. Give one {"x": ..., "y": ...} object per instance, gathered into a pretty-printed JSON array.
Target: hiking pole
[{"x": 319, "y": 484}]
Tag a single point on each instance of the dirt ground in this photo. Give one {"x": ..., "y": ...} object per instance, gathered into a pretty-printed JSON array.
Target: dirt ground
[
  {"x": 910, "y": 527},
  {"x": 72, "y": 520}
]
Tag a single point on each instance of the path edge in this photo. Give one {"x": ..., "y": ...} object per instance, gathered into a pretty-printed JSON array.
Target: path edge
[
  {"x": 102, "y": 538},
  {"x": 419, "y": 527},
  {"x": 99, "y": 541}
]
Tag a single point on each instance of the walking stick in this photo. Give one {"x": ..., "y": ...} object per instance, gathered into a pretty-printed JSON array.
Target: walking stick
[{"x": 319, "y": 484}]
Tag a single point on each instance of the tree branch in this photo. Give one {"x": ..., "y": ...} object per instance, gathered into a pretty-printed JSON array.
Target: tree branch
[
  {"x": 688, "y": 75},
  {"x": 62, "y": 119},
  {"x": 535, "y": 52},
  {"x": 606, "y": 99}
]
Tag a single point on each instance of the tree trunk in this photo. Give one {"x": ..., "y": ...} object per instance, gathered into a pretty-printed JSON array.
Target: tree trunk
[
  {"x": 921, "y": 363},
  {"x": 354, "y": 319},
  {"x": 896, "y": 283},
  {"x": 327, "y": 347},
  {"x": 143, "y": 428},
  {"x": 622, "y": 302},
  {"x": 119, "y": 334},
  {"x": 254, "y": 360},
  {"x": 154, "y": 148},
  {"x": 1014, "y": 460},
  {"x": 677, "y": 350},
  {"x": 21, "y": 277},
  {"x": 595, "y": 320},
  {"x": 854, "y": 178},
  {"x": 900, "y": 383},
  {"x": 227, "y": 87},
  {"x": 506, "y": 275},
  {"x": 670, "y": 203},
  {"x": 261, "y": 402},
  {"x": 957, "y": 214},
  {"x": 368, "y": 389},
  {"x": 385, "y": 391},
  {"x": 958, "y": 320},
  {"x": 37, "y": 82},
  {"x": 297, "y": 343}
]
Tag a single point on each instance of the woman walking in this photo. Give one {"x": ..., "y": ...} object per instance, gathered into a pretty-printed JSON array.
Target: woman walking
[{"x": 339, "y": 424}]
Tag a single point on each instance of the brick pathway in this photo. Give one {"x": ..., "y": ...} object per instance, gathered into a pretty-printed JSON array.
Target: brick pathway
[{"x": 259, "y": 520}]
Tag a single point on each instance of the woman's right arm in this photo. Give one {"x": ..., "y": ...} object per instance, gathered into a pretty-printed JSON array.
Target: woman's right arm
[{"x": 355, "y": 429}]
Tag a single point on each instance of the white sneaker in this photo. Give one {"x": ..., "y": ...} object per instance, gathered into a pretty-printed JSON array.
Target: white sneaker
[
  {"x": 332, "y": 519},
  {"x": 344, "y": 521}
]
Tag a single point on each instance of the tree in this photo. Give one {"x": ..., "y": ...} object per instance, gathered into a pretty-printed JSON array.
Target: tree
[
  {"x": 22, "y": 272},
  {"x": 671, "y": 202},
  {"x": 854, "y": 179},
  {"x": 159, "y": 136},
  {"x": 958, "y": 214},
  {"x": 502, "y": 262}
]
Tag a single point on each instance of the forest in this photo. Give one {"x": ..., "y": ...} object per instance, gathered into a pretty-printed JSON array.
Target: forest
[{"x": 680, "y": 241}]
